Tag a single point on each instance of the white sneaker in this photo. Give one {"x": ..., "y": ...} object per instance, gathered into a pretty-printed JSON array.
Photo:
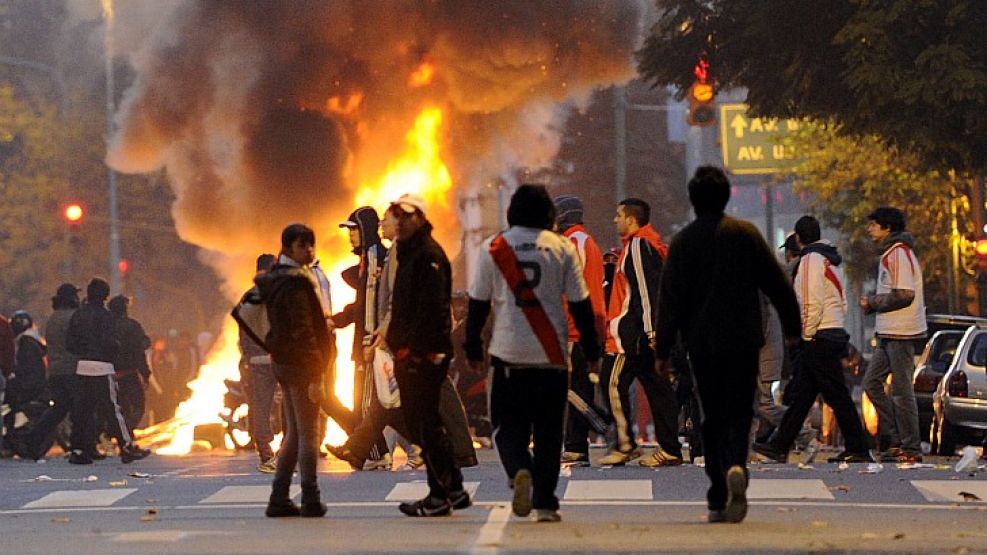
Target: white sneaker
[
  {"x": 547, "y": 515},
  {"x": 383, "y": 463}
]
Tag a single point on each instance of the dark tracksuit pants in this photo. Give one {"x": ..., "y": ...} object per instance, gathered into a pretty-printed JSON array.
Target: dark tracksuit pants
[
  {"x": 62, "y": 389},
  {"x": 131, "y": 398},
  {"x": 619, "y": 372},
  {"x": 576, "y": 427},
  {"x": 420, "y": 383},
  {"x": 366, "y": 396},
  {"x": 96, "y": 398},
  {"x": 528, "y": 403},
  {"x": 301, "y": 443},
  {"x": 819, "y": 370},
  {"x": 726, "y": 384}
]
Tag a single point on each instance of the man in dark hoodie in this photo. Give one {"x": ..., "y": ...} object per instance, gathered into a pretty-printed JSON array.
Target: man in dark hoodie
[
  {"x": 362, "y": 225},
  {"x": 900, "y": 306},
  {"x": 27, "y": 388},
  {"x": 300, "y": 347},
  {"x": 92, "y": 337},
  {"x": 132, "y": 370},
  {"x": 819, "y": 288},
  {"x": 710, "y": 286}
]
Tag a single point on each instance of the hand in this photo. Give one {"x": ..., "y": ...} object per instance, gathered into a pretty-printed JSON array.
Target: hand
[
  {"x": 653, "y": 342},
  {"x": 330, "y": 323},
  {"x": 594, "y": 377},
  {"x": 368, "y": 354},
  {"x": 594, "y": 370},
  {"x": 865, "y": 303},
  {"x": 661, "y": 367},
  {"x": 315, "y": 392}
]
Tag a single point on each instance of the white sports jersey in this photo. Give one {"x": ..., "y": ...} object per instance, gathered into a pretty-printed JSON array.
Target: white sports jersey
[
  {"x": 552, "y": 267},
  {"x": 899, "y": 269}
]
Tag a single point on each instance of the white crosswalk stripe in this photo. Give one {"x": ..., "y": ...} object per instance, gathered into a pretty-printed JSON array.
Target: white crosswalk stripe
[
  {"x": 788, "y": 489},
  {"x": 413, "y": 491},
  {"x": 80, "y": 498},
  {"x": 586, "y": 490},
  {"x": 939, "y": 491},
  {"x": 246, "y": 494}
]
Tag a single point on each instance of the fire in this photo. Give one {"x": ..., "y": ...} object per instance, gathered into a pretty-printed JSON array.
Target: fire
[
  {"x": 422, "y": 76},
  {"x": 420, "y": 169}
]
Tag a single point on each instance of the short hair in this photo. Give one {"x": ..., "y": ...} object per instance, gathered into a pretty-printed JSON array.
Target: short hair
[
  {"x": 637, "y": 209},
  {"x": 118, "y": 306},
  {"x": 295, "y": 232},
  {"x": 531, "y": 207},
  {"x": 889, "y": 217},
  {"x": 266, "y": 261},
  {"x": 709, "y": 190},
  {"x": 97, "y": 290},
  {"x": 807, "y": 229}
]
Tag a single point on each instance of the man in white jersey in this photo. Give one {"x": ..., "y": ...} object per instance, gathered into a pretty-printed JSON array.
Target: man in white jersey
[
  {"x": 528, "y": 272},
  {"x": 900, "y": 307}
]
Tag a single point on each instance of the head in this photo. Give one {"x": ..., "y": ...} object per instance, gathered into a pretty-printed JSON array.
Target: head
[
  {"x": 118, "y": 306},
  {"x": 97, "y": 291},
  {"x": 389, "y": 225},
  {"x": 531, "y": 207},
  {"x": 807, "y": 231},
  {"x": 791, "y": 247},
  {"x": 611, "y": 256},
  {"x": 411, "y": 212},
  {"x": 265, "y": 262},
  {"x": 298, "y": 243},
  {"x": 632, "y": 214},
  {"x": 709, "y": 191},
  {"x": 362, "y": 226},
  {"x": 568, "y": 211},
  {"x": 20, "y": 322},
  {"x": 884, "y": 221},
  {"x": 66, "y": 297}
]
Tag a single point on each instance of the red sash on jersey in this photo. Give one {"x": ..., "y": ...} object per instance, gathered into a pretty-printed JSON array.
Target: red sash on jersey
[{"x": 506, "y": 261}]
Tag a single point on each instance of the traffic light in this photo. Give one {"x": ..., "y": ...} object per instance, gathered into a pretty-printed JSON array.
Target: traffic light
[
  {"x": 74, "y": 213},
  {"x": 702, "y": 111},
  {"x": 123, "y": 266}
]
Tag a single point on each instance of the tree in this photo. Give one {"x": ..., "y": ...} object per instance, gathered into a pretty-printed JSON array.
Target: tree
[
  {"x": 913, "y": 72},
  {"x": 849, "y": 176}
]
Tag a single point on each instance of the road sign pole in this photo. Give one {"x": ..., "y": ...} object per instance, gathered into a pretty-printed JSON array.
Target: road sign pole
[{"x": 769, "y": 213}]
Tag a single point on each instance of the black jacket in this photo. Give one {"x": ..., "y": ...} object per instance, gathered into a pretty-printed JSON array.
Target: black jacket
[
  {"x": 29, "y": 362},
  {"x": 92, "y": 334},
  {"x": 299, "y": 338},
  {"x": 133, "y": 342},
  {"x": 363, "y": 277},
  {"x": 421, "y": 320},
  {"x": 709, "y": 288}
]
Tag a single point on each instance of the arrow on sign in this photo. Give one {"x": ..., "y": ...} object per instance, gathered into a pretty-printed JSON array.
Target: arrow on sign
[{"x": 738, "y": 123}]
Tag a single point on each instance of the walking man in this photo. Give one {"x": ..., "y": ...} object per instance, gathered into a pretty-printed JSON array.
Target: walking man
[
  {"x": 300, "y": 348},
  {"x": 528, "y": 272},
  {"x": 419, "y": 337},
  {"x": 716, "y": 267},
  {"x": 900, "y": 307},
  {"x": 822, "y": 298},
  {"x": 630, "y": 334},
  {"x": 569, "y": 218},
  {"x": 132, "y": 370}
]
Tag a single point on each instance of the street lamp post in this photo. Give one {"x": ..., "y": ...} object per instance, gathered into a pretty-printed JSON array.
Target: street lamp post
[{"x": 115, "y": 281}]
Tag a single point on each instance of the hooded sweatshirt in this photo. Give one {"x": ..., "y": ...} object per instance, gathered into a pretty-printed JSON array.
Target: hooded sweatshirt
[
  {"x": 29, "y": 359},
  {"x": 900, "y": 300},
  {"x": 819, "y": 287},
  {"x": 363, "y": 277}
]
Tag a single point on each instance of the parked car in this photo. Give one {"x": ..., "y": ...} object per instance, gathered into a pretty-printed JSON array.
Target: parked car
[
  {"x": 932, "y": 365},
  {"x": 960, "y": 401}
]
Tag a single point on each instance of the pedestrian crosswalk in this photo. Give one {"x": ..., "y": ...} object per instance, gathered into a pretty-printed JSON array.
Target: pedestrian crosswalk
[{"x": 571, "y": 490}]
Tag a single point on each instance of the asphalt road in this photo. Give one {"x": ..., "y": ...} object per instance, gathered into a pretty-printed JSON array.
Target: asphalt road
[{"x": 214, "y": 503}]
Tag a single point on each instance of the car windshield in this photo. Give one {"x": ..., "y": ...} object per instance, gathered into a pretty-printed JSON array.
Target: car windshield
[
  {"x": 944, "y": 348},
  {"x": 978, "y": 352}
]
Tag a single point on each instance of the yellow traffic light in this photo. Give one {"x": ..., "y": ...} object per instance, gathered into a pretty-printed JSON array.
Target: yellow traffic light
[{"x": 702, "y": 112}]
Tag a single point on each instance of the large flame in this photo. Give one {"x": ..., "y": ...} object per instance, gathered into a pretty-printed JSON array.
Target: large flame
[{"x": 419, "y": 169}]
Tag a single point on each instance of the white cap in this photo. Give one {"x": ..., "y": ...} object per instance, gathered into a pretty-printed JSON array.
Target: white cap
[{"x": 410, "y": 202}]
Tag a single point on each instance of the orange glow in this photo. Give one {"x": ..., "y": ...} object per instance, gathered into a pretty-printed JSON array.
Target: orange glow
[
  {"x": 347, "y": 107},
  {"x": 73, "y": 213},
  {"x": 702, "y": 92},
  {"x": 422, "y": 76},
  {"x": 981, "y": 248}
]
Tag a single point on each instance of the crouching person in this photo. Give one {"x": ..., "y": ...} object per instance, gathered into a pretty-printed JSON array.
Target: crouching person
[{"x": 300, "y": 348}]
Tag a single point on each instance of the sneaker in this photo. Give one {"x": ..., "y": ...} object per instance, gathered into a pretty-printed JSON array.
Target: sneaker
[
  {"x": 661, "y": 458},
  {"x": 78, "y": 457},
  {"x": 313, "y": 509},
  {"x": 415, "y": 460},
  {"x": 899, "y": 455},
  {"x": 718, "y": 515},
  {"x": 282, "y": 509},
  {"x": 770, "y": 452},
  {"x": 427, "y": 507},
  {"x": 270, "y": 466},
  {"x": 343, "y": 453},
  {"x": 848, "y": 457},
  {"x": 460, "y": 500},
  {"x": 547, "y": 515},
  {"x": 736, "y": 508},
  {"x": 131, "y": 453},
  {"x": 573, "y": 458},
  {"x": 383, "y": 463},
  {"x": 521, "y": 503},
  {"x": 619, "y": 458}
]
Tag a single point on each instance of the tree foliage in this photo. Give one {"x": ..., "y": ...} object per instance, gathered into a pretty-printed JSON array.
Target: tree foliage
[
  {"x": 913, "y": 72},
  {"x": 848, "y": 177}
]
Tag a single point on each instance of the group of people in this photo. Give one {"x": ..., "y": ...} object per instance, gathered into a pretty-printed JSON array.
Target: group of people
[
  {"x": 561, "y": 324},
  {"x": 90, "y": 365}
]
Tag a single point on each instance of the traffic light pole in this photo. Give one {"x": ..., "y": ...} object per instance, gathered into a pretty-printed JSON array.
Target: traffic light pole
[{"x": 115, "y": 282}]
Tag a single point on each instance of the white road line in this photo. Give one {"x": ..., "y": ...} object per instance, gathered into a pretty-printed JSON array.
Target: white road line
[
  {"x": 164, "y": 536},
  {"x": 413, "y": 491},
  {"x": 583, "y": 490},
  {"x": 246, "y": 494},
  {"x": 788, "y": 489},
  {"x": 489, "y": 540},
  {"x": 939, "y": 491},
  {"x": 80, "y": 498}
]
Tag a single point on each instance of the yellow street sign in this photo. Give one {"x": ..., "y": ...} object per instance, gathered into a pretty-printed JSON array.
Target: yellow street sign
[{"x": 753, "y": 145}]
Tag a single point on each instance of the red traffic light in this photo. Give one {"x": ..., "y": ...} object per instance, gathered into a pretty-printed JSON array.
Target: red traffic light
[
  {"x": 123, "y": 266},
  {"x": 74, "y": 213}
]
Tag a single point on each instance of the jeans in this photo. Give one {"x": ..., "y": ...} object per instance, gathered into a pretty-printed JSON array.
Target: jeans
[
  {"x": 300, "y": 446},
  {"x": 898, "y": 417},
  {"x": 262, "y": 387}
]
